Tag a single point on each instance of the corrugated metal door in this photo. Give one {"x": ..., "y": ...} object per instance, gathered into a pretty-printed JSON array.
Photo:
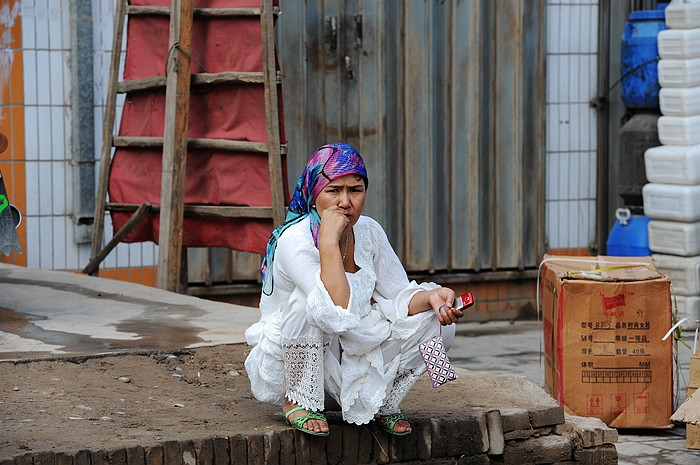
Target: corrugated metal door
[{"x": 445, "y": 101}]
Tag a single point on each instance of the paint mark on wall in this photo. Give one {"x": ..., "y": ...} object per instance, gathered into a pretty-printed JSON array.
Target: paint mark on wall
[{"x": 8, "y": 14}]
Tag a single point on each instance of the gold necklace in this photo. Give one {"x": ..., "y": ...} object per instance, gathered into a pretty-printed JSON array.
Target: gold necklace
[{"x": 347, "y": 234}]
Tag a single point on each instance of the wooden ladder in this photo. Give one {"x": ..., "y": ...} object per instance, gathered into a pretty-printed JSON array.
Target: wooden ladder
[{"x": 175, "y": 141}]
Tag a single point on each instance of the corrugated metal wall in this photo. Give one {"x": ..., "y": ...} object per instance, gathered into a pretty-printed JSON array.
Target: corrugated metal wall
[{"x": 445, "y": 101}]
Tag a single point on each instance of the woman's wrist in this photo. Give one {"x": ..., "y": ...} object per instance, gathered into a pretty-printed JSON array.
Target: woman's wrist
[
  {"x": 420, "y": 302},
  {"x": 333, "y": 273},
  {"x": 328, "y": 244}
]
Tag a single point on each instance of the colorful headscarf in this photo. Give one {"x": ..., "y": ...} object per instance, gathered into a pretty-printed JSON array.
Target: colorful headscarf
[{"x": 329, "y": 162}]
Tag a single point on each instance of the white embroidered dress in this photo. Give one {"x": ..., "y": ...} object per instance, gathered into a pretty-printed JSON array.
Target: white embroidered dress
[{"x": 366, "y": 356}]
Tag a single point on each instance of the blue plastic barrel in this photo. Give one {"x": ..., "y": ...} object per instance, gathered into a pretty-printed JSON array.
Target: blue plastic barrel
[
  {"x": 639, "y": 86},
  {"x": 629, "y": 236}
]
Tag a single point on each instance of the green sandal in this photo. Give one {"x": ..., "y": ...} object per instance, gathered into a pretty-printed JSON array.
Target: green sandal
[
  {"x": 298, "y": 422},
  {"x": 388, "y": 422}
]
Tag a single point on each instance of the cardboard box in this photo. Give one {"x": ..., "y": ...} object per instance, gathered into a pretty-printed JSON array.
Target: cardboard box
[
  {"x": 692, "y": 432},
  {"x": 694, "y": 378},
  {"x": 604, "y": 319},
  {"x": 692, "y": 436}
]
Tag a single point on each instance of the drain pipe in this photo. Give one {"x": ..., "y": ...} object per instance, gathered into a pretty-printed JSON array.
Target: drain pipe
[{"x": 83, "y": 124}]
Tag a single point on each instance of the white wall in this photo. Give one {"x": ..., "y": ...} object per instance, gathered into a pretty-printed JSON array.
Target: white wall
[{"x": 47, "y": 119}]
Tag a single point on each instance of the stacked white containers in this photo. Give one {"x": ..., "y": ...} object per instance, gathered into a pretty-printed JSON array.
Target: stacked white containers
[{"x": 672, "y": 197}]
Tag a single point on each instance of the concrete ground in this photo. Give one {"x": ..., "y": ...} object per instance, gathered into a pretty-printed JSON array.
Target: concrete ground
[{"x": 47, "y": 313}]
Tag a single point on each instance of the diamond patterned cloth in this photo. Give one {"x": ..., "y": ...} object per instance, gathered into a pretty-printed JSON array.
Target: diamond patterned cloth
[{"x": 436, "y": 361}]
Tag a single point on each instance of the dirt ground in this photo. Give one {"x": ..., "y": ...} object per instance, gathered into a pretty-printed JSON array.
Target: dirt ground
[{"x": 121, "y": 400}]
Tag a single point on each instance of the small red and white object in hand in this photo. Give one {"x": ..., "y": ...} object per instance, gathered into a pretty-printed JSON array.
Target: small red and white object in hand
[{"x": 464, "y": 301}]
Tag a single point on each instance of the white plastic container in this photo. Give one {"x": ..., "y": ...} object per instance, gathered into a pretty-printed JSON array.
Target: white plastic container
[
  {"x": 674, "y": 237},
  {"x": 679, "y": 73},
  {"x": 679, "y": 101},
  {"x": 679, "y": 130},
  {"x": 683, "y": 271},
  {"x": 673, "y": 164},
  {"x": 679, "y": 43},
  {"x": 671, "y": 202},
  {"x": 688, "y": 307},
  {"x": 682, "y": 15}
]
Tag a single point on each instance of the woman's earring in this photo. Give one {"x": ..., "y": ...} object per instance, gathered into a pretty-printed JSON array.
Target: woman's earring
[{"x": 313, "y": 205}]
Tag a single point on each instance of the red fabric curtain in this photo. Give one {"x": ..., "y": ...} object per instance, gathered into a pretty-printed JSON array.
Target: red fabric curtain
[{"x": 233, "y": 112}]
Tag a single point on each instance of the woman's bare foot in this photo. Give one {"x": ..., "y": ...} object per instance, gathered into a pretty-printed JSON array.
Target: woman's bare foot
[
  {"x": 402, "y": 426},
  {"x": 316, "y": 425},
  {"x": 395, "y": 423}
]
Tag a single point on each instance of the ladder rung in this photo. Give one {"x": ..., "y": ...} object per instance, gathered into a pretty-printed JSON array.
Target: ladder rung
[
  {"x": 199, "y": 79},
  {"x": 214, "y": 12},
  {"x": 196, "y": 143},
  {"x": 221, "y": 211}
]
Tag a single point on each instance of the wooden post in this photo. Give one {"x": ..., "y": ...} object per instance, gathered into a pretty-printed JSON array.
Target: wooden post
[
  {"x": 177, "y": 105},
  {"x": 272, "y": 112},
  {"x": 133, "y": 221}
]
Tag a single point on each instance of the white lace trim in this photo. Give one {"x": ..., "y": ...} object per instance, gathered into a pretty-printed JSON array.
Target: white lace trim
[
  {"x": 351, "y": 415},
  {"x": 303, "y": 367},
  {"x": 402, "y": 385}
]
